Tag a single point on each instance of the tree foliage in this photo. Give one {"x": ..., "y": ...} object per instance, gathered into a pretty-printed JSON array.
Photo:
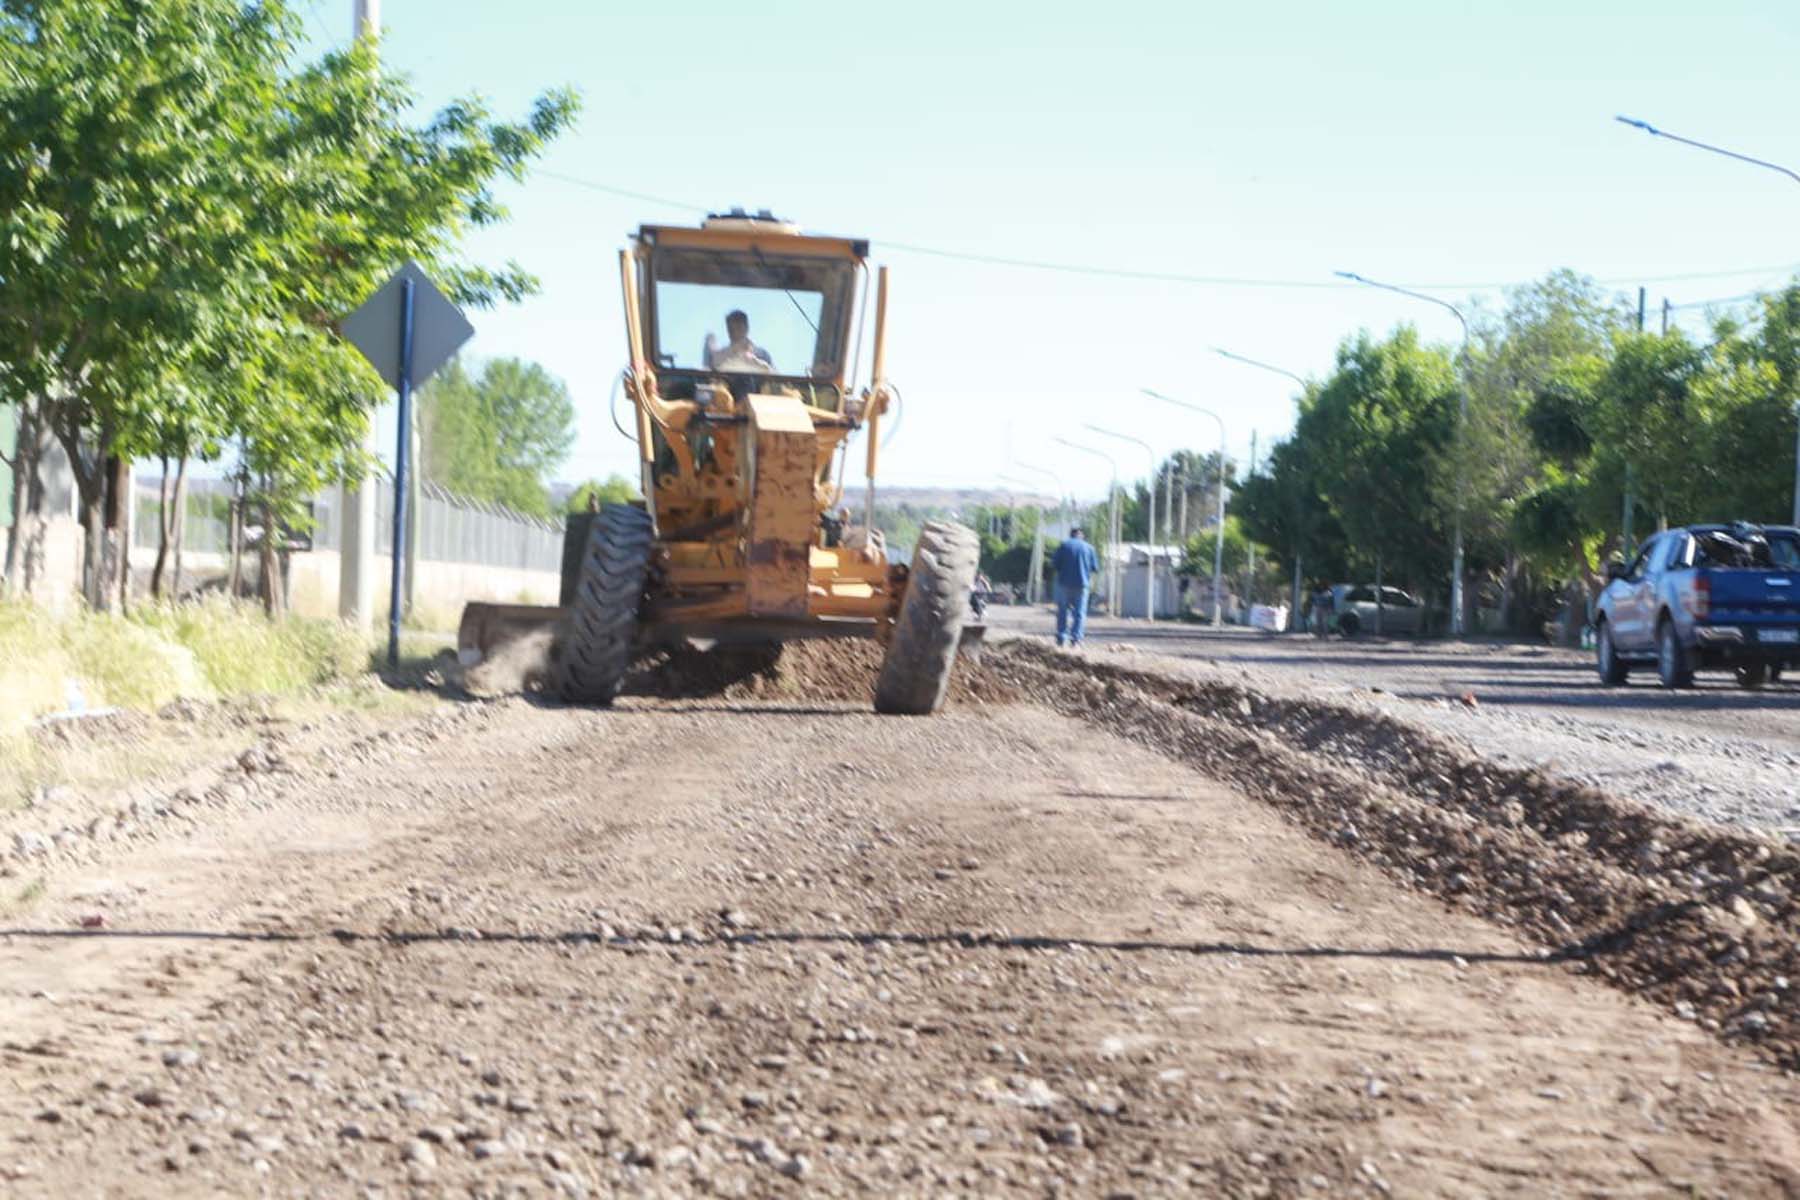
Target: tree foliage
[
  {"x": 1570, "y": 409},
  {"x": 185, "y": 208},
  {"x": 614, "y": 489},
  {"x": 497, "y": 435}
]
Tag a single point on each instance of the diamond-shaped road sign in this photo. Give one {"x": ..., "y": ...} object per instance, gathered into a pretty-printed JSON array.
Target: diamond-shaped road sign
[{"x": 439, "y": 328}]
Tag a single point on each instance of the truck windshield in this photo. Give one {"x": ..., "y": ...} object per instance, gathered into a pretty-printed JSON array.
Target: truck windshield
[{"x": 750, "y": 313}]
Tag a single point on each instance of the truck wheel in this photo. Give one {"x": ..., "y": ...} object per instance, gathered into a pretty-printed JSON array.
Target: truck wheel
[
  {"x": 1613, "y": 671},
  {"x": 915, "y": 672},
  {"x": 1673, "y": 667},
  {"x": 1751, "y": 676},
  {"x": 1349, "y": 625},
  {"x": 601, "y": 634}
]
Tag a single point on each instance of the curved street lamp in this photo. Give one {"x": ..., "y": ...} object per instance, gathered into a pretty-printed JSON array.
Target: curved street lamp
[
  {"x": 1462, "y": 422},
  {"x": 1252, "y": 362},
  {"x": 1150, "y": 549}
]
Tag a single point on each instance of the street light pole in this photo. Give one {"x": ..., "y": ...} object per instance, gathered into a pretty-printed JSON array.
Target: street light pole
[
  {"x": 1150, "y": 554},
  {"x": 1653, "y": 131},
  {"x": 1112, "y": 523},
  {"x": 1252, "y": 362},
  {"x": 1223, "y": 353},
  {"x": 1062, "y": 493},
  {"x": 1462, "y": 426},
  {"x": 1218, "y": 604}
]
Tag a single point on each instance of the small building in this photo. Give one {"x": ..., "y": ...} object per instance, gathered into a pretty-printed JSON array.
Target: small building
[{"x": 1138, "y": 561}]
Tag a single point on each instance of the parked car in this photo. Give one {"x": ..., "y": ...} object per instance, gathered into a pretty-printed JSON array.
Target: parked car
[
  {"x": 1701, "y": 598},
  {"x": 1353, "y": 610}
]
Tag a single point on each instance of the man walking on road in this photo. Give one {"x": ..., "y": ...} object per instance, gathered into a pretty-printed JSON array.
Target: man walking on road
[{"x": 1075, "y": 563}]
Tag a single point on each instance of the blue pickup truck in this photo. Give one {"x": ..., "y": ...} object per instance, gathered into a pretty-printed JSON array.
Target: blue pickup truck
[{"x": 1702, "y": 598}]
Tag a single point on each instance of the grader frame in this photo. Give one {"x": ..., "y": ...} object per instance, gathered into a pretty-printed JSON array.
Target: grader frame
[{"x": 750, "y": 538}]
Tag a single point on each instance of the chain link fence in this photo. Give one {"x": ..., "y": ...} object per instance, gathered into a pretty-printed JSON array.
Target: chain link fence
[{"x": 450, "y": 528}]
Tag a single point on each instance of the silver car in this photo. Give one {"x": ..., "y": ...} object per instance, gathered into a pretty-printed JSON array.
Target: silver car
[{"x": 1354, "y": 610}]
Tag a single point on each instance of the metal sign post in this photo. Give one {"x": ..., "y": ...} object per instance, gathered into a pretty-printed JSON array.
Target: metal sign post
[
  {"x": 402, "y": 452},
  {"x": 431, "y": 329}
]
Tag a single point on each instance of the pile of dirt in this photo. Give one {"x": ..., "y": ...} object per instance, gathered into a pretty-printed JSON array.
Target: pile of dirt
[
  {"x": 1696, "y": 917},
  {"x": 834, "y": 670}
]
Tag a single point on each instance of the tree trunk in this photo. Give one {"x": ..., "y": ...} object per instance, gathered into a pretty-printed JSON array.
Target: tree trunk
[
  {"x": 90, "y": 471},
  {"x": 234, "y": 577},
  {"x": 1575, "y": 603},
  {"x": 269, "y": 563},
  {"x": 1509, "y": 579},
  {"x": 180, "y": 524},
  {"x": 162, "y": 531},
  {"x": 117, "y": 558},
  {"x": 93, "y": 559}
]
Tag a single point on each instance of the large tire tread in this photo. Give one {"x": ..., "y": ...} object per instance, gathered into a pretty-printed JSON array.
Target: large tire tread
[
  {"x": 1674, "y": 665},
  {"x": 915, "y": 672},
  {"x": 598, "y": 642}
]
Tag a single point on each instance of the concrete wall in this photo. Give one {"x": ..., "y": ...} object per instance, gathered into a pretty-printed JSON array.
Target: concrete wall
[
  {"x": 443, "y": 588},
  {"x": 59, "y": 589}
]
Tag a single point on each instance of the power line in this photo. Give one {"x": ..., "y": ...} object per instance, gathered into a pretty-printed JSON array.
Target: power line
[
  {"x": 312, "y": 10},
  {"x": 1170, "y": 276},
  {"x": 1720, "y": 300}
]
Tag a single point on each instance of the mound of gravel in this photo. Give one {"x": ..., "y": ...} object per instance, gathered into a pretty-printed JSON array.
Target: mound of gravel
[
  {"x": 1696, "y": 917},
  {"x": 834, "y": 670}
]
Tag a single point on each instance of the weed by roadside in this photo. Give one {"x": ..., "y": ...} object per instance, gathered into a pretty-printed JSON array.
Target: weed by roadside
[{"x": 204, "y": 650}]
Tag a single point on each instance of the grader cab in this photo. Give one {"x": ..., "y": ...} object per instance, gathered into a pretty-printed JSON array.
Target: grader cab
[{"x": 744, "y": 337}]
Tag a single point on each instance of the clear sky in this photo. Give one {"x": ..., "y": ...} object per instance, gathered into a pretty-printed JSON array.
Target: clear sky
[{"x": 1424, "y": 142}]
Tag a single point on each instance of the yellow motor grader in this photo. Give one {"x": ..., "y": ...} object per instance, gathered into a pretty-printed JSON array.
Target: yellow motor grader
[{"x": 744, "y": 337}]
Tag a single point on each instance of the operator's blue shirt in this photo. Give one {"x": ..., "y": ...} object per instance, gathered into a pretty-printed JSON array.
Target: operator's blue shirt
[{"x": 1075, "y": 561}]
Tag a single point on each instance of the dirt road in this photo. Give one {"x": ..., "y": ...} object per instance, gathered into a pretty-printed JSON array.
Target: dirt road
[
  {"x": 779, "y": 947},
  {"x": 1715, "y": 751}
]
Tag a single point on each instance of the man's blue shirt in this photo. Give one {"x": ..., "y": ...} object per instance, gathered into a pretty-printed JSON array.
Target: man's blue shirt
[{"x": 1075, "y": 561}]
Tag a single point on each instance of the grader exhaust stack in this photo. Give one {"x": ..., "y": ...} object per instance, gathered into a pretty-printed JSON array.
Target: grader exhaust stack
[{"x": 742, "y": 338}]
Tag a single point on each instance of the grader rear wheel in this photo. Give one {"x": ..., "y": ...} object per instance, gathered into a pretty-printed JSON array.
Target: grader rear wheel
[
  {"x": 597, "y": 644},
  {"x": 915, "y": 673}
]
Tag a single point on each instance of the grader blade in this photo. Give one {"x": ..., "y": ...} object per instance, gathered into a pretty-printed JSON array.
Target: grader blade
[{"x": 488, "y": 629}]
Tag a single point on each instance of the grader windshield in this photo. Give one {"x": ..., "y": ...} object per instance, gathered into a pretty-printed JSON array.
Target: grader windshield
[{"x": 750, "y": 313}]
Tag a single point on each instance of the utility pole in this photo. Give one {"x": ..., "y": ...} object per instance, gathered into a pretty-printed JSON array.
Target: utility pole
[
  {"x": 1219, "y": 536},
  {"x": 356, "y": 505},
  {"x": 1665, "y": 324},
  {"x": 1249, "y": 584},
  {"x": 1223, "y": 353},
  {"x": 1181, "y": 525},
  {"x": 1150, "y": 482}
]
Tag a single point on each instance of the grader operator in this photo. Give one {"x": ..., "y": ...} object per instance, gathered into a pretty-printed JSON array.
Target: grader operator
[{"x": 744, "y": 341}]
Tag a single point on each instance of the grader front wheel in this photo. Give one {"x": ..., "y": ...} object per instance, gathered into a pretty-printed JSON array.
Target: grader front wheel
[
  {"x": 601, "y": 635},
  {"x": 915, "y": 674}
]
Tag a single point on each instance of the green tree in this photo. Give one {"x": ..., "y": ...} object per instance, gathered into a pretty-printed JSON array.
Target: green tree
[
  {"x": 184, "y": 210},
  {"x": 1283, "y": 507},
  {"x": 614, "y": 489},
  {"x": 499, "y": 435},
  {"x": 1380, "y": 428}
]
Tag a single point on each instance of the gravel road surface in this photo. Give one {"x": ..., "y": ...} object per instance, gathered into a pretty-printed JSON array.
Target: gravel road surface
[
  {"x": 1715, "y": 751},
  {"x": 780, "y": 946}
]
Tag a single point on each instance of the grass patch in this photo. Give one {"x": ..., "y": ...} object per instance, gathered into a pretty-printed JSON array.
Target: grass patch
[
  {"x": 205, "y": 650},
  {"x": 24, "y": 898}
]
